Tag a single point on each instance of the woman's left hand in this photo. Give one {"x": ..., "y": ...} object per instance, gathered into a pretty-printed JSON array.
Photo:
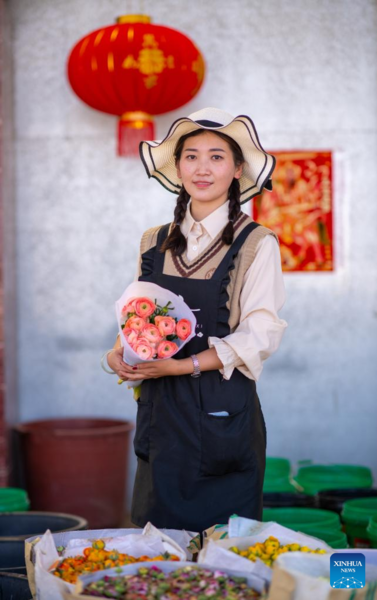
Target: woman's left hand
[{"x": 153, "y": 369}]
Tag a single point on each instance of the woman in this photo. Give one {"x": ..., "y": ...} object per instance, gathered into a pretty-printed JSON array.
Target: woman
[{"x": 200, "y": 436}]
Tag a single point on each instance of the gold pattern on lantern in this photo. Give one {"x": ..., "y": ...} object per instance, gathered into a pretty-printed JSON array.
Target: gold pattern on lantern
[
  {"x": 83, "y": 46},
  {"x": 130, "y": 34},
  {"x": 151, "y": 61},
  {"x": 149, "y": 41},
  {"x": 198, "y": 68},
  {"x": 130, "y": 62},
  {"x": 170, "y": 62},
  {"x": 150, "y": 81},
  {"x": 114, "y": 35},
  {"x": 99, "y": 37},
  {"x": 110, "y": 61}
]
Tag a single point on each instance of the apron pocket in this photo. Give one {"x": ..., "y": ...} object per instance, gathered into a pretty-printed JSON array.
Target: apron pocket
[
  {"x": 143, "y": 421},
  {"x": 226, "y": 444}
]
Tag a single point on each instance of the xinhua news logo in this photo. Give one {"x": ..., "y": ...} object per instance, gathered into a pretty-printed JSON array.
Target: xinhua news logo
[{"x": 347, "y": 570}]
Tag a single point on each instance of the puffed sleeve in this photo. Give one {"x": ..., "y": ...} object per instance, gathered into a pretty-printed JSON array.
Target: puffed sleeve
[{"x": 260, "y": 330}]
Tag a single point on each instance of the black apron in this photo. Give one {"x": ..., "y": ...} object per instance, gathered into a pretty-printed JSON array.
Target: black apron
[{"x": 195, "y": 469}]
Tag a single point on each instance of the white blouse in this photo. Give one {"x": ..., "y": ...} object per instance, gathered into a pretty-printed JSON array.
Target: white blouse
[{"x": 260, "y": 330}]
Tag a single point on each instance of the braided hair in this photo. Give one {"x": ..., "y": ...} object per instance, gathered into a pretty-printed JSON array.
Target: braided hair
[
  {"x": 234, "y": 211},
  {"x": 176, "y": 241}
]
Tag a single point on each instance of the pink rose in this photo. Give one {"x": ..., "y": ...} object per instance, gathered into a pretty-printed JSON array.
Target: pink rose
[
  {"x": 166, "y": 349},
  {"x": 144, "y": 349},
  {"x": 143, "y": 339},
  {"x": 183, "y": 329},
  {"x": 129, "y": 307},
  {"x": 136, "y": 323},
  {"x": 166, "y": 325},
  {"x": 130, "y": 335},
  {"x": 144, "y": 307},
  {"x": 151, "y": 333},
  {"x": 147, "y": 343}
]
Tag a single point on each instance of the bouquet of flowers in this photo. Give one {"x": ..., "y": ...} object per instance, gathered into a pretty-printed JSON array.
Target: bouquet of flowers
[{"x": 153, "y": 322}]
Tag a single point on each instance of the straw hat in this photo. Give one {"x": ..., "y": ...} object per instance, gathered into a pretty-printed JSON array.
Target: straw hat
[{"x": 158, "y": 156}]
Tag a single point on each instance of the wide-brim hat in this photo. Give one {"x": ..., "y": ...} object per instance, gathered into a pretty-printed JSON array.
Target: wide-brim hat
[{"x": 158, "y": 156}]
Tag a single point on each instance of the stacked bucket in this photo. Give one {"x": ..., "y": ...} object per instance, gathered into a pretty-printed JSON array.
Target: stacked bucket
[
  {"x": 16, "y": 524},
  {"x": 334, "y": 503},
  {"x": 13, "y": 499}
]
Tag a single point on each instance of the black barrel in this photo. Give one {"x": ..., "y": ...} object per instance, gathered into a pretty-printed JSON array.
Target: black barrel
[
  {"x": 14, "y": 587},
  {"x": 286, "y": 499},
  {"x": 15, "y": 528},
  {"x": 334, "y": 499}
]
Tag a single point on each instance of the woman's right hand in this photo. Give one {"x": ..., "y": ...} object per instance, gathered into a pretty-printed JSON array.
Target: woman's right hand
[{"x": 117, "y": 364}]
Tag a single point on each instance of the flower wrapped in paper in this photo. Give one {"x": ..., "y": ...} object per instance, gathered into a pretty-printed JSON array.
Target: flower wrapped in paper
[{"x": 154, "y": 323}]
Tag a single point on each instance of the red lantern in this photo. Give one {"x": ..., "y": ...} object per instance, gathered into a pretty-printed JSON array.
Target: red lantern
[{"x": 135, "y": 70}]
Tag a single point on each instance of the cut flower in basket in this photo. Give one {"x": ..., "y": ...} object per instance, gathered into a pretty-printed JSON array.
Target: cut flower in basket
[{"x": 154, "y": 323}]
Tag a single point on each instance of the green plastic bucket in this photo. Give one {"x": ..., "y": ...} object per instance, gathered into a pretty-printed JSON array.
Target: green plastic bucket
[
  {"x": 335, "y": 539},
  {"x": 287, "y": 500},
  {"x": 281, "y": 484},
  {"x": 13, "y": 500},
  {"x": 297, "y": 518},
  {"x": 277, "y": 475},
  {"x": 276, "y": 467},
  {"x": 372, "y": 532},
  {"x": 314, "y": 478},
  {"x": 356, "y": 515}
]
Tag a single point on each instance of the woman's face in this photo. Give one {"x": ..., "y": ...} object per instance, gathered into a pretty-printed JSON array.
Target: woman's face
[{"x": 206, "y": 168}]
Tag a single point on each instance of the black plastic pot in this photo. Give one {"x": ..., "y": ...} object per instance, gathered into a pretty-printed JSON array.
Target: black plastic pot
[
  {"x": 334, "y": 499},
  {"x": 15, "y": 528},
  {"x": 286, "y": 499},
  {"x": 14, "y": 587}
]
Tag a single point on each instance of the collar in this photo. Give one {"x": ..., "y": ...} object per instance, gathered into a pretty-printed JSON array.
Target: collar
[{"x": 213, "y": 223}]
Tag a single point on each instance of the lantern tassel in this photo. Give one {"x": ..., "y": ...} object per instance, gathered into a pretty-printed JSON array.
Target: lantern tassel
[{"x": 133, "y": 128}]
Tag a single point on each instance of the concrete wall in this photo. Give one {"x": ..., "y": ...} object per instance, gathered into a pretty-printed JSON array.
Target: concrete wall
[
  {"x": 8, "y": 317},
  {"x": 306, "y": 73}
]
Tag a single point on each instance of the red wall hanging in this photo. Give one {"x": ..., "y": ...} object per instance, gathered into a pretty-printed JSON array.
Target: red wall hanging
[
  {"x": 300, "y": 209},
  {"x": 135, "y": 70}
]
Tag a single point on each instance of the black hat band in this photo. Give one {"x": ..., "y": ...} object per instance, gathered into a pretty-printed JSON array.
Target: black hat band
[{"x": 209, "y": 123}]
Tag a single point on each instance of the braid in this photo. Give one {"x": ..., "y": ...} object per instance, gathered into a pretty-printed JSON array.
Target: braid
[
  {"x": 234, "y": 211},
  {"x": 176, "y": 241}
]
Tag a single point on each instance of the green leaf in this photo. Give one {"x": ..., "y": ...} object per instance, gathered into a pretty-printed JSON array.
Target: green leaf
[{"x": 171, "y": 337}]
